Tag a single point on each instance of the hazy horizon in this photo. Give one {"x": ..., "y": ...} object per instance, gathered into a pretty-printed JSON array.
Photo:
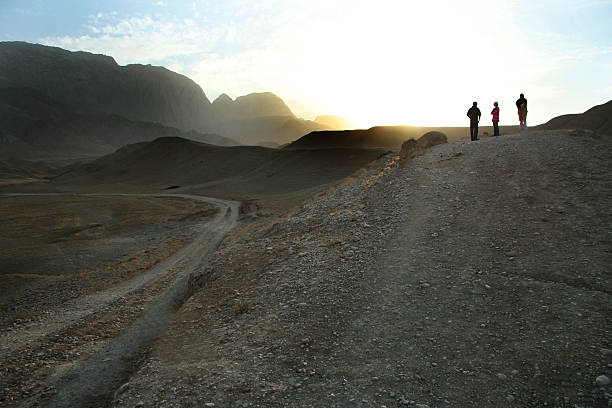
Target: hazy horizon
[{"x": 382, "y": 63}]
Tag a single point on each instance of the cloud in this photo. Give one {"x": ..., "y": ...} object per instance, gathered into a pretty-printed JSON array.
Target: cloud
[
  {"x": 139, "y": 39},
  {"x": 371, "y": 62}
]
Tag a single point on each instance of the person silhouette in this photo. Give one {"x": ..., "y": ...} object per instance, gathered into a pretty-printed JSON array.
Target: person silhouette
[
  {"x": 474, "y": 114},
  {"x": 495, "y": 113},
  {"x": 521, "y": 105}
]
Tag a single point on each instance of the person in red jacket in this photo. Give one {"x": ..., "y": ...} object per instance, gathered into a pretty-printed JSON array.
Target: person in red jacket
[{"x": 495, "y": 113}]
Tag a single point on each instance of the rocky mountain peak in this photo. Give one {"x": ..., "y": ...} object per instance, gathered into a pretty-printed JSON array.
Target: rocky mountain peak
[
  {"x": 262, "y": 104},
  {"x": 223, "y": 99},
  {"x": 92, "y": 83}
]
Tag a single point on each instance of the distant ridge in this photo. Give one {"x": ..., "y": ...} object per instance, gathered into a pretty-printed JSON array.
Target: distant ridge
[
  {"x": 390, "y": 137},
  {"x": 249, "y": 106},
  {"x": 259, "y": 119},
  {"x": 94, "y": 84},
  {"x": 37, "y": 127},
  {"x": 267, "y": 130},
  {"x": 220, "y": 171},
  {"x": 597, "y": 119}
]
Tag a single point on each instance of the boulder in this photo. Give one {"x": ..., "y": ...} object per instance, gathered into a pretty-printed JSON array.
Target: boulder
[
  {"x": 433, "y": 138},
  {"x": 412, "y": 148}
]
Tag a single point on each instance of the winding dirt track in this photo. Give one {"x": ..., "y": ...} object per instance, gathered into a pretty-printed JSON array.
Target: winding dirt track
[
  {"x": 92, "y": 380},
  {"x": 476, "y": 275}
]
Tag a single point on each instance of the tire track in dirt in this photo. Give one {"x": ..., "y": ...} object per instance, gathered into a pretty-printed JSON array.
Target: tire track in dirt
[{"x": 92, "y": 381}]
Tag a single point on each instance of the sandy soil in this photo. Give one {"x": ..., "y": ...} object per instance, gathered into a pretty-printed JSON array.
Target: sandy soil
[
  {"x": 55, "y": 248},
  {"x": 274, "y": 180},
  {"x": 73, "y": 344},
  {"x": 477, "y": 275}
]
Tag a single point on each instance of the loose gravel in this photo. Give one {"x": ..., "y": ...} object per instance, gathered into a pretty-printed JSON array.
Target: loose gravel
[{"x": 475, "y": 275}]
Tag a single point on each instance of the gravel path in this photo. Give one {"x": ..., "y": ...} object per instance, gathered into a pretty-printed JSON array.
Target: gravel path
[
  {"x": 475, "y": 275},
  {"x": 91, "y": 381}
]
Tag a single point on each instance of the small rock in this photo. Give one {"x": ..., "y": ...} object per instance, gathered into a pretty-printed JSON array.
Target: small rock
[
  {"x": 515, "y": 372},
  {"x": 122, "y": 389},
  {"x": 501, "y": 376},
  {"x": 602, "y": 381},
  {"x": 140, "y": 404},
  {"x": 511, "y": 254},
  {"x": 510, "y": 398},
  {"x": 209, "y": 404}
]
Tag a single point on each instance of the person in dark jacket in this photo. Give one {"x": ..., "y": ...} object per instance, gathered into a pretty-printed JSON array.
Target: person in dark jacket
[
  {"x": 495, "y": 113},
  {"x": 521, "y": 105},
  {"x": 474, "y": 114}
]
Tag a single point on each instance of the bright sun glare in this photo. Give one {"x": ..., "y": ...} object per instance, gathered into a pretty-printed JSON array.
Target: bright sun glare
[
  {"x": 401, "y": 63},
  {"x": 380, "y": 62}
]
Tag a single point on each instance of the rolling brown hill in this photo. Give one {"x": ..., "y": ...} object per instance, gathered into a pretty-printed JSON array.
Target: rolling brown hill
[
  {"x": 390, "y": 137},
  {"x": 238, "y": 171},
  {"x": 376, "y": 137},
  {"x": 597, "y": 119}
]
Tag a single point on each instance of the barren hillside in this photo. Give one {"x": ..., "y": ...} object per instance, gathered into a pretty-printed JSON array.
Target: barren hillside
[
  {"x": 477, "y": 275},
  {"x": 35, "y": 126},
  {"x": 381, "y": 136},
  {"x": 597, "y": 119},
  {"x": 245, "y": 172}
]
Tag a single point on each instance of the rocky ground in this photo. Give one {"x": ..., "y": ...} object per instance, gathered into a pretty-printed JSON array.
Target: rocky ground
[
  {"x": 57, "y": 248},
  {"x": 476, "y": 275},
  {"x": 68, "y": 326}
]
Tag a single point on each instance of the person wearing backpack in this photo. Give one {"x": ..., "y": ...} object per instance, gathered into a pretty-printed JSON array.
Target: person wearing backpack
[
  {"x": 521, "y": 105},
  {"x": 474, "y": 114},
  {"x": 495, "y": 113}
]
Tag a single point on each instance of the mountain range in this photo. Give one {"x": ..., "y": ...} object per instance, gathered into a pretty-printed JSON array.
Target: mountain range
[
  {"x": 79, "y": 103},
  {"x": 60, "y": 105},
  {"x": 36, "y": 127}
]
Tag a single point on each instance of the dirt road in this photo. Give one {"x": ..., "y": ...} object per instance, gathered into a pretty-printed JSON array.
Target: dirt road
[
  {"x": 90, "y": 381},
  {"x": 477, "y": 275}
]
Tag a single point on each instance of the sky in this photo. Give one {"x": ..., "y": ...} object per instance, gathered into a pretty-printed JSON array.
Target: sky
[{"x": 383, "y": 62}]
